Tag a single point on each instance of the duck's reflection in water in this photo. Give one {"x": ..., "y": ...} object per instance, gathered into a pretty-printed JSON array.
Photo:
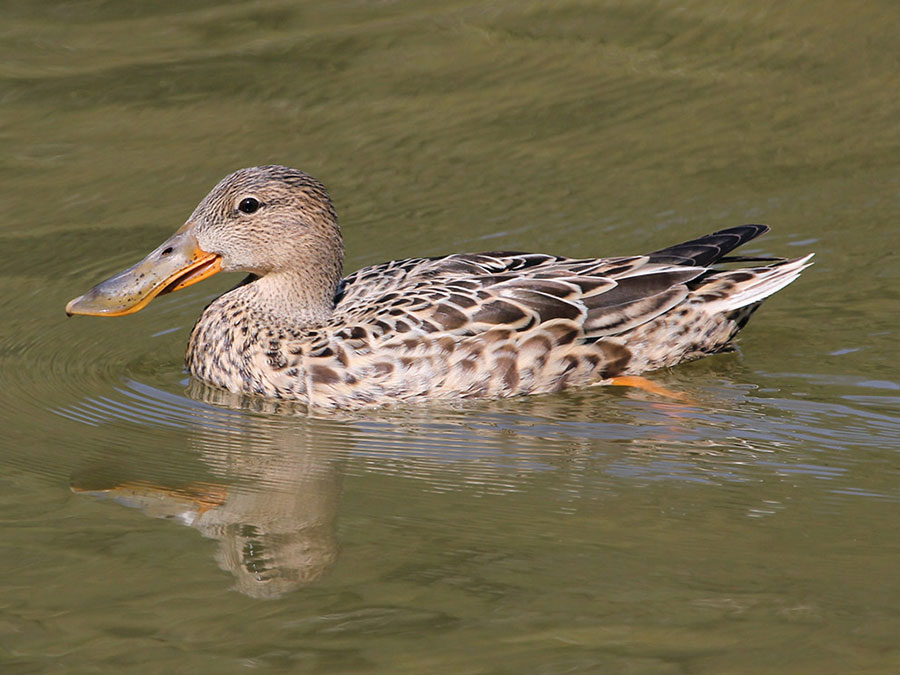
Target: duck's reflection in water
[
  {"x": 274, "y": 511},
  {"x": 268, "y": 481}
]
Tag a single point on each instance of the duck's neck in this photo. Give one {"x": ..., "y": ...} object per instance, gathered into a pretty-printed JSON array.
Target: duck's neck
[{"x": 295, "y": 298}]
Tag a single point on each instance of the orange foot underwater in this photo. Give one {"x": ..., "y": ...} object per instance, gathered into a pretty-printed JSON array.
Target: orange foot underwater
[{"x": 649, "y": 386}]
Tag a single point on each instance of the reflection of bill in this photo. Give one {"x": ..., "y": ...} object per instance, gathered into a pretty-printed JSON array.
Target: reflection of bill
[{"x": 275, "y": 523}]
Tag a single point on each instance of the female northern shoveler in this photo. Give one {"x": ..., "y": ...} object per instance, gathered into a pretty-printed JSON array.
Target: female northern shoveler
[{"x": 464, "y": 325}]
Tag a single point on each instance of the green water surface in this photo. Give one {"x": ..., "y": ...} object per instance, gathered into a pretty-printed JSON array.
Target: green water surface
[{"x": 149, "y": 525}]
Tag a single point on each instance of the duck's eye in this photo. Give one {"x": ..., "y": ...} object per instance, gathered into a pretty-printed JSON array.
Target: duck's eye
[{"x": 248, "y": 205}]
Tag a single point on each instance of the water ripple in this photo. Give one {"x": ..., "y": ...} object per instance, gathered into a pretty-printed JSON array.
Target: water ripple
[{"x": 497, "y": 445}]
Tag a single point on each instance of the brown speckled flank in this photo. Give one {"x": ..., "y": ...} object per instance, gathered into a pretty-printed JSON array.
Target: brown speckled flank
[{"x": 465, "y": 325}]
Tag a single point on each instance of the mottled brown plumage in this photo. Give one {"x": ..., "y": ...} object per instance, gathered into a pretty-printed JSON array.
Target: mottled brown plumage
[{"x": 466, "y": 325}]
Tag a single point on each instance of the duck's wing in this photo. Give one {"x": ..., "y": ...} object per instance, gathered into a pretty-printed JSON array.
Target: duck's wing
[{"x": 468, "y": 294}]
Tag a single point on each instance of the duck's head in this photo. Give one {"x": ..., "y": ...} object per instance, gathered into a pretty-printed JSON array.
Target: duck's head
[{"x": 267, "y": 220}]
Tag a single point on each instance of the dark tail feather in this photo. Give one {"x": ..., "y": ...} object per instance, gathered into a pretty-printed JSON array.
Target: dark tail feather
[{"x": 711, "y": 248}]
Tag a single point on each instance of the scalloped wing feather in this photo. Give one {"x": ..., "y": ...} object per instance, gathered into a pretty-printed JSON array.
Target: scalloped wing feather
[{"x": 468, "y": 294}]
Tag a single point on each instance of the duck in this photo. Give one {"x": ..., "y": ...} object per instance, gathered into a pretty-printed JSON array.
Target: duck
[{"x": 460, "y": 326}]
